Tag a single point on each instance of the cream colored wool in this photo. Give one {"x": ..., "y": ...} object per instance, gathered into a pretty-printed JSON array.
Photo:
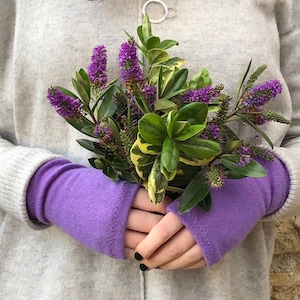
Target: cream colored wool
[{"x": 44, "y": 43}]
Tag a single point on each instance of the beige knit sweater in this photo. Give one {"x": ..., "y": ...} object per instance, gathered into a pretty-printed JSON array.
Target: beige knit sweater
[{"x": 45, "y": 42}]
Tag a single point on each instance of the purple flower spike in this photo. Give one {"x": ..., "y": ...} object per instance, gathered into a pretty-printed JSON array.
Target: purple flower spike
[
  {"x": 263, "y": 93},
  {"x": 65, "y": 106},
  {"x": 205, "y": 95},
  {"x": 131, "y": 71},
  {"x": 244, "y": 156},
  {"x": 97, "y": 68},
  {"x": 215, "y": 130},
  {"x": 150, "y": 94}
]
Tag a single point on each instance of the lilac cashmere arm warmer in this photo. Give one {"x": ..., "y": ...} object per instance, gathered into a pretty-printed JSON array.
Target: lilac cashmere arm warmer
[
  {"x": 94, "y": 210},
  {"x": 237, "y": 207},
  {"x": 84, "y": 203}
]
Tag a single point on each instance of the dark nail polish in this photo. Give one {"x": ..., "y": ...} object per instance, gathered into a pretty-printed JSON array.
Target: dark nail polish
[
  {"x": 143, "y": 267},
  {"x": 138, "y": 256}
]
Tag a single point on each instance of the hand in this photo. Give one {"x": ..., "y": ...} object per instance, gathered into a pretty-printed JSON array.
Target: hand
[
  {"x": 169, "y": 246},
  {"x": 143, "y": 216}
]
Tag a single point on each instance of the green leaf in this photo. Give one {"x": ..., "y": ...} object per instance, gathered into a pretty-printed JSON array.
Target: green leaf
[
  {"x": 179, "y": 81},
  {"x": 231, "y": 145},
  {"x": 153, "y": 129},
  {"x": 169, "y": 155},
  {"x": 84, "y": 80},
  {"x": 200, "y": 148},
  {"x": 152, "y": 42},
  {"x": 166, "y": 44},
  {"x": 164, "y": 105},
  {"x": 157, "y": 183},
  {"x": 66, "y": 92},
  {"x": 194, "y": 113},
  {"x": 194, "y": 193},
  {"x": 206, "y": 203},
  {"x": 170, "y": 122},
  {"x": 156, "y": 56},
  {"x": 200, "y": 80},
  {"x": 180, "y": 127},
  {"x": 110, "y": 172},
  {"x": 257, "y": 129},
  {"x": 167, "y": 83},
  {"x": 238, "y": 92},
  {"x": 146, "y": 28},
  {"x": 89, "y": 130},
  {"x": 252, "y": 169},
  {"x": 108, "y": 105},
  {"x": 81, "y": 92},
  {"x": 91, "y": 146},
  {"x": 80, "y": 124},
  {"x": 190, "y": 132},
  {"x": 139, "y": 31},
  {"x": 174, "y": 62}
]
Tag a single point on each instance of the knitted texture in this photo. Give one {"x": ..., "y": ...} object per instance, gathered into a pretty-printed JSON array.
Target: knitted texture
[
  {"x": 83, "y": 202},
  {"x": 237, "y": 207}
]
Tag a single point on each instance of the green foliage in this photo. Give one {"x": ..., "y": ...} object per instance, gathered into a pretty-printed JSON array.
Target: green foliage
[{"x": 172, "y": 146}]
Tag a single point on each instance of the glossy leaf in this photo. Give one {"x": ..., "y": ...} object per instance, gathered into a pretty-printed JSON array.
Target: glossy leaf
[
  {"x": 194, "y": 113},
  {"x": 108, "y": 105},
  {"x": 169, "y": 155},
  {"x": 252, "y": 169},
  {"x": 156, "y": 56},
  {"x": 153, "y": 42},
  {"x": 194, "y": 193},
  {"x": 180, "y": 127},
  {"x": 200, "y": 148},
  {"x": 164, "y": 105},
  {"x": 190, "y": 132},
  {"x": 167, "y": 83},
  {"x": 152, "y": 129},
  {"x": 81, "y": 92},
  {"x": 166, "y": 44},
  {"x": 200, "y": 80},
  {"x": 80, "y": 124},
  {"x": 157, "y": 183},
  {"x": 179, "y": 81}
]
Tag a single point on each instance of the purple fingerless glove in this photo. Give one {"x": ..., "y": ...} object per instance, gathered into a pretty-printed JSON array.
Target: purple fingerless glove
[
  {"x": 236, "y": 209},
  {"x": 83, "y": 202}
]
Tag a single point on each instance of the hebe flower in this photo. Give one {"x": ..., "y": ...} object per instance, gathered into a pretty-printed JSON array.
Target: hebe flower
[
  {"x": 65, "y": 106},
  {"x": 206, "y": 95},
  {"x": 150, "y": 94},
  {"x": 244, "y": 155},
  {"x": 97, "y": 68},
  {"x": 262, "y": 94},
  {"x": 130, "y": 70},
  {"x": 215, "y": 176}
]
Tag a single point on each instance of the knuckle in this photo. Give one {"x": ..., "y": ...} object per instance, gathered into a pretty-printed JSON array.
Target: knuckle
[{"x": 175, "y": 250}]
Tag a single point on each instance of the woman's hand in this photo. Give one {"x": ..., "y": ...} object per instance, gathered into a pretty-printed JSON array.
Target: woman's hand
[
  {"x": 143, "y": 216},
  {"x": 168, "y": 246}
]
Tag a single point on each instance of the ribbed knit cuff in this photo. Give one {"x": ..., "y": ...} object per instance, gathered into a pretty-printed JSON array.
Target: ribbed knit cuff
[
  {"x": 17, "y": 165},
  {"x": 291, "y": 206}
]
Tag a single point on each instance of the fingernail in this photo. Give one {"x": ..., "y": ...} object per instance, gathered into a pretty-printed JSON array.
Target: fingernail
[
  {"x": 138, "y": 256},
  {"x": 143, "y": 267}
]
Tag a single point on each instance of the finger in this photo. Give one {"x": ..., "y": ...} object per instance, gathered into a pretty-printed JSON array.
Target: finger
[
  {"x": 142, "y": 221},
  {"x": 143, "y": 202},
  {"x": 167, "y": 227},
  {"x": 133, "y": 238},
  {"x": 191, "y": 259},
  {"x": 172, "y": 250},
  {"x": 129, "y": 253}
]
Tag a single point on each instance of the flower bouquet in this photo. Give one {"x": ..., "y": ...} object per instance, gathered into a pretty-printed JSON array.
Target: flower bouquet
[{"x": 155, "y": 126}]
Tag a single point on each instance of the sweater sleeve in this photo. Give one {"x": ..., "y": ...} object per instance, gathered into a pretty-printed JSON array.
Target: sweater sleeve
[
  {"x": 288, "y": 13},
  {"x": 83, "y": 202},
  {"x": 236, "y": 209},
  {"x": 17, "y": 166}
]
